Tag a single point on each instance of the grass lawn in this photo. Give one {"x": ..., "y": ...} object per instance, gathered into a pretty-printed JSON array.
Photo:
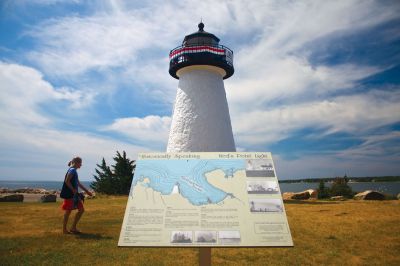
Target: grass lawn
[{"x": 324, "y": 233}]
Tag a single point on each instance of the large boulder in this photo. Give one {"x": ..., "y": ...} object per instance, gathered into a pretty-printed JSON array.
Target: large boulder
[
  {"x": 369, "y": 195},
  {"x": 313, "y": 193},
  {"x": 301, "y": 195},
  {"x": 287, "y": 195},
  {"x": 398, "y": 196},
  {"x": 304, "y": 195},
  {"x": 12, "y": 198},
  {"x": 4, "y": 190},
  {"x": 48, "y": 198}
]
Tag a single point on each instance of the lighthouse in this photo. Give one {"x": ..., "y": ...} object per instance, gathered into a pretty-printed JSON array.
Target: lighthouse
[{"x": 201, "y": 121}]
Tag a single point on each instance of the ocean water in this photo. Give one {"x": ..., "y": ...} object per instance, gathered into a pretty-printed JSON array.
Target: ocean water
[
  {"x": 49, "y": 185},
  {"x": 384, "y": 187}
]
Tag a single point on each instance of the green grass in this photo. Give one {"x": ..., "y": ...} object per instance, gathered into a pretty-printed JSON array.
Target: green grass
[{"x": 324, "y": 233}]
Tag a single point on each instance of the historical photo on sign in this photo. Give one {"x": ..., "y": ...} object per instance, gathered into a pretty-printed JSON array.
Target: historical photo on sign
[
  {"x": 205, "y": 236},
  {"x": 266, "y": 205},
  {"x": 262, "y": 187},
  {"x": 259, "y": 168},
  {"x": 181, "y": 237},
  {"x": 229, "y": 237}
]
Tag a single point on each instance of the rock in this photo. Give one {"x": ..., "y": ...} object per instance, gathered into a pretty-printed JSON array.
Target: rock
[
  {"x": 4, "y": 190},
  {"x": 301, "y": 195},
  {"x": 28, "y": 190},
  {"x": 48, "y": 198},
  {"x": 338, "y": 198},
  {"x": 398, "y": 196},
  {"x": 23, "y": 190},
  {"x": 313, "y": 193},
  {"x": 41, "y": 191},
  {"x": 307, "y": 194},
  {"x": 12, "y": 198},
  {"x": 287, "y": 195},
  {"x": 369, "y": 195}
]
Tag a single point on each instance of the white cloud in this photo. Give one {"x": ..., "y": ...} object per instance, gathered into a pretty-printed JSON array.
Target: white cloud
[
  {"x": 290, "y": 78},
  {"x": 148, "y": 129},
  {"x": 124, "y": 45},
  {"x": 28, "y": 138},
  {"x": 119, "y": 33},
  {"x": 107, "y": 39},
  {"x": 78, "y": 99},
  {"x": 380, "y": 146},
  {"x": 294, "y": 24},
  {"x": 42, "y": 153},
  {"x": 50, "y": 2},
  {"x": 274, "y": 67},
  {"x": 311, "y": 166},
  {"x": 268, "y": 65},
  {"x": 23, "y": 90},
  {"x": 356, "y": 114}
]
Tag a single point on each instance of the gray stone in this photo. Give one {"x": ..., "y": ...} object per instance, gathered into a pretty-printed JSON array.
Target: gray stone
[
  {"x": 4, "y": 190},
  {"x": 313, "y": 193},
  {"x": 287, "y": 195},
  {"x": 12, "y": 198},
  {"x": 48, "y": 198},
  {"x": 301, "y": 195},
  {"x": 338, "y": 198},
  {"x": 304, "y": 195},
  {"x": 369, "y": 195}
]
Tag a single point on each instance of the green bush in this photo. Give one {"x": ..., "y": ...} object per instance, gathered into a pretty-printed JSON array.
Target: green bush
[
  {"x": 323, "y": 192},
  {"x": 341, "y": 188},
  {"x": 116, "y": 181}
]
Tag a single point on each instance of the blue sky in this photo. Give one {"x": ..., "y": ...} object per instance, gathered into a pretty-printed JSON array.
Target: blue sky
[{"x": 317, "y": 83}]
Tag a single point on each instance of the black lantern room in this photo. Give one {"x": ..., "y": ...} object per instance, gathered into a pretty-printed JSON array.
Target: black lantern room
[{"x": 201, "y": 48}]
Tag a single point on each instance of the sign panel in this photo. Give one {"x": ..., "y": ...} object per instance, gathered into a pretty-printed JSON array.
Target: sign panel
[{"x": 205, "y": 199}]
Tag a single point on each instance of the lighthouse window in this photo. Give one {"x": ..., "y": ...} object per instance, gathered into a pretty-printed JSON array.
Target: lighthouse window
[{"x": 200, "y": 41}]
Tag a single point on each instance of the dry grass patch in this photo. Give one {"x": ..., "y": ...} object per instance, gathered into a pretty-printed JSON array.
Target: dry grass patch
[{"x": 324, "y": 233}]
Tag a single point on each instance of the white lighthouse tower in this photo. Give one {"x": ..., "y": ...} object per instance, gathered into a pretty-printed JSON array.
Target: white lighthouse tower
[{"x": 201, "y": 121}]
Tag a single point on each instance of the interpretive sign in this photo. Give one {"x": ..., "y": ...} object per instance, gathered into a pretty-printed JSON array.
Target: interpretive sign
[{"x": 205, "y": 199}]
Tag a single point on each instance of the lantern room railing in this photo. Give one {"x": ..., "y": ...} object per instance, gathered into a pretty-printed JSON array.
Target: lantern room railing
[{"x": 215, "y": 55}]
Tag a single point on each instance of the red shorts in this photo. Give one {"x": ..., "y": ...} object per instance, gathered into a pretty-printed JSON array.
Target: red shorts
[{"x": 68, "y": 205}]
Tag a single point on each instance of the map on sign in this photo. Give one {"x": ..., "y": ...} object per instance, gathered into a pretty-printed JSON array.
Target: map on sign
[
  {"x": 189, "y": 178},
  {"x": 205, "y": 199}
]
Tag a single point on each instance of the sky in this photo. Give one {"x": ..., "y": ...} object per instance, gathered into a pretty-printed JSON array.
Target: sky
[{"x": 317, "y": 83}]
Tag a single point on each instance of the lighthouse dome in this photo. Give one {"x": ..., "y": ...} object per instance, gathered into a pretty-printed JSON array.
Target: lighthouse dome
[
  {"x": 201, "y": 48},
  {"x": 200, "y": 37}
]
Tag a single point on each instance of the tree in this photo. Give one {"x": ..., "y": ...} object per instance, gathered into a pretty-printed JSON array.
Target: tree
[
  {"x": 123, "y": 173},
  {"x": 104, "y": 179},
  {"x": 323, "y": 192},
  {"x": 341, "y": 188},
  {"x": 115, "y": 181}
]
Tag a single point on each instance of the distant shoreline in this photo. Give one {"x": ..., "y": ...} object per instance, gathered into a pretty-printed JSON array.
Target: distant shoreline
[
  {"x": 350, "y": 179},
  {"x": 331, "y": 181}
]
